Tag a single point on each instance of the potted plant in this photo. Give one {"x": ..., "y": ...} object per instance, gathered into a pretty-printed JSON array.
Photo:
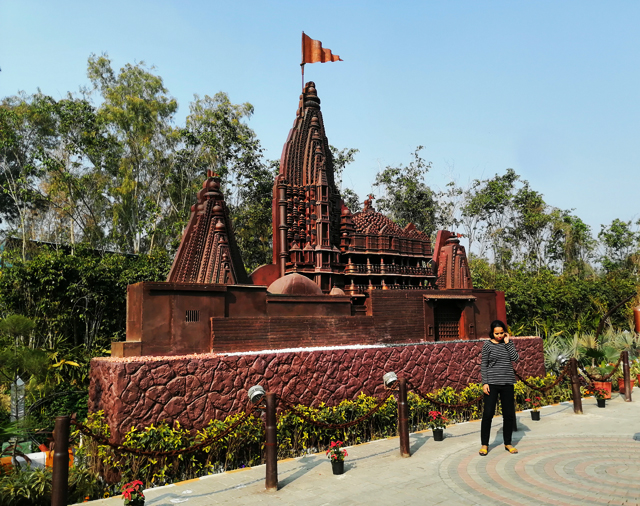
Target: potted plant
[
  {"x": 600, "y": 372},
  {"x": 534, "y": 404},
  {"x": 132, "y": 494},
  {"x": 337, "y": 454},
  {"x": 601, "y": 396},
  {"x": 634, "y": 369},
  {"x": 621, "y": 384},
  {"x": 437, "y": 422}
]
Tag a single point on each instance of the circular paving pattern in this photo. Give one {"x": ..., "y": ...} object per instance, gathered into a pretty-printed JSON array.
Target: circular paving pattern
[{"x": 563, "y": 470}]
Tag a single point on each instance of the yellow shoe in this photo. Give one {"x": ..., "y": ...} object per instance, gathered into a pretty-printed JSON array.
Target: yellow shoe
[
  {"x": 510, "y": 449},
  {"x": 483, "y": 451}
]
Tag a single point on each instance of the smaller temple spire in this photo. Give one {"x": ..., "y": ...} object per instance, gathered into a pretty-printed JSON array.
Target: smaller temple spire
[{"x": 208, "y": 251}]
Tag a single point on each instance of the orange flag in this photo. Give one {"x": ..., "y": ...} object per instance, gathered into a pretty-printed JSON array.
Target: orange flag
[{"x": 312, "y": 51}]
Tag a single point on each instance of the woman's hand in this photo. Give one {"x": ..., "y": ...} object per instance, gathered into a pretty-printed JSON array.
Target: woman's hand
[
  {"x": 506, "y": 338},
  {"x": 485, "y": 389}
]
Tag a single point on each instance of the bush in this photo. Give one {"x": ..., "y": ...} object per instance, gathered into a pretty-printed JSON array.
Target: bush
[
  {"x": 26, "y": 486},
  {"x": 296, "y": 436},
  {"x": 31, "y": 486}
]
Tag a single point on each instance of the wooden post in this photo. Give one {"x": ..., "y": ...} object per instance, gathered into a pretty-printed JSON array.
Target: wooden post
[
  {"x": 628, "y": 385},
  {"x": 575, "y": 387},
  {"x": 403, "y": 418},
  {"x": 271, "y": 444},
  {"x": 60, "y": 479}
]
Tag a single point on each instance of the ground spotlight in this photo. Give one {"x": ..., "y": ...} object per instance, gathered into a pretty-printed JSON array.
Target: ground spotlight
[
  {"x": 389, "y": 379},
  {"x": 256, "y": 394}
]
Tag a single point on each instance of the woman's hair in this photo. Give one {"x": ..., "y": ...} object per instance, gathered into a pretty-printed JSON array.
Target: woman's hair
[{"x": 495, "y": 324}]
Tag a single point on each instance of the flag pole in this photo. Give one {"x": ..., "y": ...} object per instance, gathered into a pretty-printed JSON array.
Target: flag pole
[{"x": 302, "y": 64}]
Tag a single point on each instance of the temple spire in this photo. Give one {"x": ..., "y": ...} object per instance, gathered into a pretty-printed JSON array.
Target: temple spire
[{"x": 208, "y": 251}]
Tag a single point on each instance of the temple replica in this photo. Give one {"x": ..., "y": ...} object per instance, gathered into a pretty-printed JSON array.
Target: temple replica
[
  {"x": 381, "y": 296},
  {"x": 337, "y": 278}
]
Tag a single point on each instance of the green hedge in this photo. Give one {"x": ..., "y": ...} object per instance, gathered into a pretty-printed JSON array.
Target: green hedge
[
  {"x": 296, "y": 437},
  {"x": 99, "y": 471}
]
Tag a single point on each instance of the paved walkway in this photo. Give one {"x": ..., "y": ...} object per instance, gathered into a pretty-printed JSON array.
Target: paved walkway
[{"x": 564, "y": 459}]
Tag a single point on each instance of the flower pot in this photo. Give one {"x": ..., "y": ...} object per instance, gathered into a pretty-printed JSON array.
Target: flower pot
[
  {"x": 337, "y": 466},
  {"x": 621, "y": 384},
  {"x": 438, "y": 434},
  {"x": 601, "y": 403},
  {"x": 604, "y": 385},
  {"x": 535, "y": 415}
]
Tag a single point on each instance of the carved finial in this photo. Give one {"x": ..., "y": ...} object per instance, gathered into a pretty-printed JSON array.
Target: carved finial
[
  {"x": 368, "y": 203},
  {"x": 311, "y": 96}
]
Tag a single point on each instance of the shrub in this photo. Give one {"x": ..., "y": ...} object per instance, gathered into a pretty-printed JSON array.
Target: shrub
[{"x": 296, "y": 435}]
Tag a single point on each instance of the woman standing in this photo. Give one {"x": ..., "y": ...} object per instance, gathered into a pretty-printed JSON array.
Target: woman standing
[{"x": 498, "y": 379}]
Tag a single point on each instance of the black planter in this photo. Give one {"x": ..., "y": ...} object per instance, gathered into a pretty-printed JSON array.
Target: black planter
[
  {"x": 337, "y": 466},
  {"x": 601, "y": 403},
  {"x": 535, "y": 415},
  {"x": 438, "y": 434}
]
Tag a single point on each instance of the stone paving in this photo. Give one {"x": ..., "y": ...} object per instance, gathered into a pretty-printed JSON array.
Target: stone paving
[{"x": 564, "y": 459}]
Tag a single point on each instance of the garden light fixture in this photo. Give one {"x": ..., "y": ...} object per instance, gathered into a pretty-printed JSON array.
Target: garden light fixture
[
  {"x": 256, "y": 394},
  {"x": 389, "y": 379}
]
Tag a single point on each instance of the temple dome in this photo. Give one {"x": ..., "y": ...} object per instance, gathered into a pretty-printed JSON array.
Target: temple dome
[
  {"x": 294, "y": 284},
  {"x": 372, "y": 222}
]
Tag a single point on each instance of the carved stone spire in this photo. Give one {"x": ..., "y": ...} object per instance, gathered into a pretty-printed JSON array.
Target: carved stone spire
[
  {"x": 306, "y": 204},
  {"x": 208, "y": 251}
]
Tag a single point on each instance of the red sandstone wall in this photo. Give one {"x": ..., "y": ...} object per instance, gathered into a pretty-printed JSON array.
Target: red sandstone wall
[{"x": 194, "y": 389}]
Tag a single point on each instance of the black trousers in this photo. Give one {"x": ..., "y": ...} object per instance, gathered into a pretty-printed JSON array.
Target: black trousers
[{"x": 508, "y": 412}]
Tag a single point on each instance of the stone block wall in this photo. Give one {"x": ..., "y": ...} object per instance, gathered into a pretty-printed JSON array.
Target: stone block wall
[{"x": 194, "y": 389}]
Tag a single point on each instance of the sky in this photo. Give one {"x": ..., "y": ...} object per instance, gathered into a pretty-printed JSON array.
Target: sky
[{"x": 548, "y": 88}]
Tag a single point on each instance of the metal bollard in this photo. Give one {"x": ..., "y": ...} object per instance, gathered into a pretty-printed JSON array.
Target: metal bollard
[
  {"x": 403, "y": 418},
  {"x": 271, "y": 444},
  {"x": 627, "y": 376},
  {"x": 575, "y": 387},
  {"x": 60, "y": 479}
]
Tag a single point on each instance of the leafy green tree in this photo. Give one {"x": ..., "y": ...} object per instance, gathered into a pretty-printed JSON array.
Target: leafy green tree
[
  {"x": 17, "y": 330},
  {"x": 485, "y": 213},
  {"x": 341, "y": 159},
  {"x": 77, "y": 184},
  {"x": 252, "y": 217},
  {"x": 571, "y": 243},
  {"x": 351, "y": 200},
  {"x": 75, "y": 300},
  {"x": 216, "y": 138},
  {"x": 529, "y": 222},
  {"x": 138, "y": 112},
  {"x": 406, "y": 197},
  {"x": 26, "y": 134},
  {"x": 620, "y": 241}
]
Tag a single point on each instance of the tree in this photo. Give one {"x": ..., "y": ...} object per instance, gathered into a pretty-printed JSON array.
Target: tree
[
  {"x": 485, "y": 212},
  {"x": 528, "y": 225},
  {"x": 26, "y": 134},
  {"x": 571, "y": 243},
  {"x": 252, "y": 217},
  {"x": 341, "y": 158},
  {"x": 138, "y": 113},
  {"x": 77, "y": 184},
  {"x": 619, "y": 241},
  {"x": 406, "y": 197}
]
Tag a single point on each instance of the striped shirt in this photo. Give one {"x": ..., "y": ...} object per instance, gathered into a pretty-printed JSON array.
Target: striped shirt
[{"x": 496, "y": 368}]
